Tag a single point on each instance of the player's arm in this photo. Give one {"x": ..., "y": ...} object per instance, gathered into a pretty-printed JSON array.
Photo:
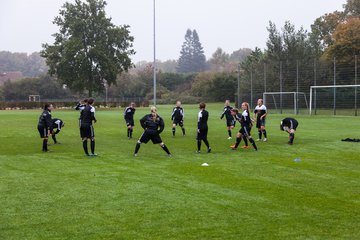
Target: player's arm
[
  {"x": 142, "y": 122},
  {"x": 161, "y": 125},
  {"x": 223, "y": 114},
  {"x": 172, "y": 114}
]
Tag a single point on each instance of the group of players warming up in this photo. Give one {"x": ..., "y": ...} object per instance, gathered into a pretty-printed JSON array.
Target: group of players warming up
[{"x": 153, "y": 125}]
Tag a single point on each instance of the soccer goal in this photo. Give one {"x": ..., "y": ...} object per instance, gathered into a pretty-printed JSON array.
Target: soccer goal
[
  {"x": 334, "y": 98},
  {"x": 34, "y": 98},
  {"x": 286, "y": 101}
]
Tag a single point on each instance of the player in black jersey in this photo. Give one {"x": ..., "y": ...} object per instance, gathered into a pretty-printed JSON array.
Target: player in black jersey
[
  {"x": 177, "y": 117},
  {"x": 87, "y": 117},
  {"x": 153, "y": 125},
  {"x": 202, "y": 128},
  {"x": 45, "y": 125},
  {"x": 56, "y": 124},
  {"x": 129, "y": 119},
  {"x": 230, "y": 121},
  {"x": 80, "y": 106},
  {"x": 260, "y": 113},
  {"x": 289, "y": 125},
  {"x": 246, "y": 125}
]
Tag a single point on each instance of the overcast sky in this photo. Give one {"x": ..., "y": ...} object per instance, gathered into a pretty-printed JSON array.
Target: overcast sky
[{"x": 229, "y": 24}]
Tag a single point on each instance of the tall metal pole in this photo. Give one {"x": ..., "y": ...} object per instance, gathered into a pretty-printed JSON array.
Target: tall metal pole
[
  {"x": 334, "y": 110},
  {"x": 238, "y": 86},
  {"x": 154, "y": 64},
  {"x": 297, "y": 88},
  {"x": 356, "y": 84}
]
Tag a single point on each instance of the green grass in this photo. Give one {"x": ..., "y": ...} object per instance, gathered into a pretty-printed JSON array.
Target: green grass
[{"x": 241, "y": 195}]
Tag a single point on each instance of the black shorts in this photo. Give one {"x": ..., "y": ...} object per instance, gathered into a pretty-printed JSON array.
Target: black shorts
[
  {"x": 245, "y": 131},
  {"x": 152, "y": 135},
  {"x": 230, "y": 123},
  {"x": 43, "y": 131},
  {"x": 129, "y": 122},
  {"x": 180, "y": 122},
  {"x": 87, "y": 131},
  {"x": 260, "y": 123},
  {"x": 202, "y": 134}
]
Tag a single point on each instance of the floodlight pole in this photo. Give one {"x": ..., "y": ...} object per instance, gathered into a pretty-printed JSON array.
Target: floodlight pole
[{"x": 154, "y": 64}]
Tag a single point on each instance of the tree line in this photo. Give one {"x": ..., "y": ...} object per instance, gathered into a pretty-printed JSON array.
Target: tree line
[{"x": 91, "y": 56}]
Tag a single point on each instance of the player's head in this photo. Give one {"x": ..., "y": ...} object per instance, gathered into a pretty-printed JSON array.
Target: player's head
[
  {"x": 260, "y": 101},
  {"x": 202, "y": 105},
  {"x": 132, "y": 104},
  {"x": 245, "y": 106},
  {"x": 85, "y": 100},
  {"x": 48, "y": 106},
  {"x": 281, "y": 126},
  {"x": 178, "y": 103},
  {"x": 234, "y": 111},
  {"x": 227, "y": 103},
  {"x": 153, "y": 111},
  {"x": 90, "y": 101}
]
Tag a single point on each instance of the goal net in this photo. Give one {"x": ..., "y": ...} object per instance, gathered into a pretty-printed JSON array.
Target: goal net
[
  {"x": 286, "y": 102},
  {"x": 334, "y": 99},
  {"x": 34, "y": 98}
]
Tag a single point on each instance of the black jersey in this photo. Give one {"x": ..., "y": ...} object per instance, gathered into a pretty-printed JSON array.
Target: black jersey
[
  {"x": 227, "y": 113},
  {"x": 177, "y": 114},
  {"x": 87, "y": 115},
  {"x": 148, "y": 123},
  {"x": 45, "y": 120},
  {"x": 57, "y": 123},
  {"x": 260, "y": 110},
  {"x": 244, "y": 119},
  {"x": 290, "y": 123},
  {"x": 202, "y": 119},
  {"x": 129, "y": 113}
]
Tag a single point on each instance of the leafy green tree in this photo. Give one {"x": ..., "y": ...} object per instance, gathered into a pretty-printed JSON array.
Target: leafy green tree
[
  {"x": 89, "y": 50},
  {"x": 346, "y": 41},
  {"x": 192, "y": 58},
  {"x": 352, "y": 7}
]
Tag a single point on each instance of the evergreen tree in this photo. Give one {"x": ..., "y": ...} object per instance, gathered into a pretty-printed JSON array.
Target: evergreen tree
[{"x": 192, "y": 58}]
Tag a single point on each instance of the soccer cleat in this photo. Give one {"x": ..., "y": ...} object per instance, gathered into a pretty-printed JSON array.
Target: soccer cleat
[
  {"x": 229, "y": 138},
  {"x": 93, "y": 155},
  {"x": 233, "y": 147},
  {"x": 169, "y": 155},
  {"x": 209, "y": 150},
  {"x": 86, "y": 155},
  {"x": 265, "y": 139},
  {"x": 197, "y": 152},
  {"x": 245, "y": 147},
  {"x": 290, "y": 143},
  {"x": 135, "y": 155}
]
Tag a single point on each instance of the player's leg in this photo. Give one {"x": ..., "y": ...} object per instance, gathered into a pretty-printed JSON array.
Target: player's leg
[
  {"x": 181, "y": 124},
  {"x": 85, "y": 146},
  {"x": 246, "y": 142},
  {"x": 205, "y": 140},
  {"x": 173, "y": 129},
  {"x": 164, "y": 147},
  {"x": 291, "y": 136},
  {"x": 238, "y": 141},
  {"x": 131, "y": 131},
  {"x": 144, "y": 138},
  {"x": 198, "y": 138},
  {"x": 229, "y": 131},
  {"x": 263, "y": 130}
]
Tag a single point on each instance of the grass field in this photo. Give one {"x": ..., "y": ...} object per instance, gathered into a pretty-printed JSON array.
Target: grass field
[{"x": 242, "y": 194}]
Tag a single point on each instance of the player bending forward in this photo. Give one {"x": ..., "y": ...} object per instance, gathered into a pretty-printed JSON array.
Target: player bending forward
[
  {"x": 289, "y": 125},
  {"x": 56, "y": 124},
  {"x": 153, "y": 125},
  {"x": 246, "y": 125}
]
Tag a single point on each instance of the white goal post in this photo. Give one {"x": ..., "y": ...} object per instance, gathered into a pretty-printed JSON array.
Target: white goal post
[
  {"x": 34, "y": 98},
  {"x": 295, "y": 98},
  {"x": 329, "y": 86}
]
